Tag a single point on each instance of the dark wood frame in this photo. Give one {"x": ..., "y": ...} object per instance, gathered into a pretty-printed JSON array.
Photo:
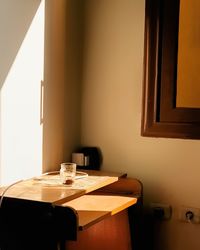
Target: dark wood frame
[{"x": 161, "y": 117}]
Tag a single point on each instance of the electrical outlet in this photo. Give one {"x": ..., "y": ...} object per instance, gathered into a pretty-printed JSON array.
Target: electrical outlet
[
  {"x": 161, "y": 211},
  {"x": 189, "y": 214}
]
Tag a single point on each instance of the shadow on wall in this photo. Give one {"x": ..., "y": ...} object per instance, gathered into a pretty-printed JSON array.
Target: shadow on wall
[{"x": 15, "y": 20}]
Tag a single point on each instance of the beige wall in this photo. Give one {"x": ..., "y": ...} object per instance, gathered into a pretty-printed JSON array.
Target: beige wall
[
  {"x": 63, "y": 60},
  {"x": 111, "y": 118}
]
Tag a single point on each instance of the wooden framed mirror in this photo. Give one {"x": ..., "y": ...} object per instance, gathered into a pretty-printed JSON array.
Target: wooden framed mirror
[{"x": 171, "y": 91}]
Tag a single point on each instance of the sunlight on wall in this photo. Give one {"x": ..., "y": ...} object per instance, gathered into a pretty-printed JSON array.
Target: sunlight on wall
[{"x": 21, "y": 131}]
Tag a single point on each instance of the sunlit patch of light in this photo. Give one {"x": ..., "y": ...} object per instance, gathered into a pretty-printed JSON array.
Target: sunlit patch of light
[{"x": 21, "y": 131}]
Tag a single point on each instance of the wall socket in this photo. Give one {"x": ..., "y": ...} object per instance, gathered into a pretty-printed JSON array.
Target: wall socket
[
  {"x": 189, "y": 214},
  {"x": 161, "y": 211}
]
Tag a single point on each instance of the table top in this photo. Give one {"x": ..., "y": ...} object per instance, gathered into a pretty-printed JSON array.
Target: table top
[
  {"x": 93, "y": 208},
  {"x": 47, "y": 188}
]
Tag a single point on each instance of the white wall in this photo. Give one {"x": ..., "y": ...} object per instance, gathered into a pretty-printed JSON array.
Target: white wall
[
  {"x": 111, "y": 118},
  {"x": 15, "y": 19},
  {"x": 22, "y": 52}
]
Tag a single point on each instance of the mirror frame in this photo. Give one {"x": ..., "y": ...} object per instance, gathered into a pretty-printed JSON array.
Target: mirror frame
[{"x": 160, "y": 116}]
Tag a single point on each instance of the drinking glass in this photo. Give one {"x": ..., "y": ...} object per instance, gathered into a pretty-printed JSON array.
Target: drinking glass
[{"x": 67, "y": 173}]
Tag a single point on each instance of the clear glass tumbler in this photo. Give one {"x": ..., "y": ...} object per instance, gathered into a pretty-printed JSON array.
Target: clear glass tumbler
[{"x": 67, "y": 173}]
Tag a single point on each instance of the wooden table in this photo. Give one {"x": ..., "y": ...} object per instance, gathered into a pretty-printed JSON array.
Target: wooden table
[
  {"x": 98, "y": 203},
  {"x": 47, "y": 188}
]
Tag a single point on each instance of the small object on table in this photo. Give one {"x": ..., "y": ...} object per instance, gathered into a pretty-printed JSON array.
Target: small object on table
[{"x": 68, "y": 173}]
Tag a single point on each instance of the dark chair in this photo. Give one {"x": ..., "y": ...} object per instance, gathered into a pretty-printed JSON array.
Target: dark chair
[{"x": 32, "y": 225}]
